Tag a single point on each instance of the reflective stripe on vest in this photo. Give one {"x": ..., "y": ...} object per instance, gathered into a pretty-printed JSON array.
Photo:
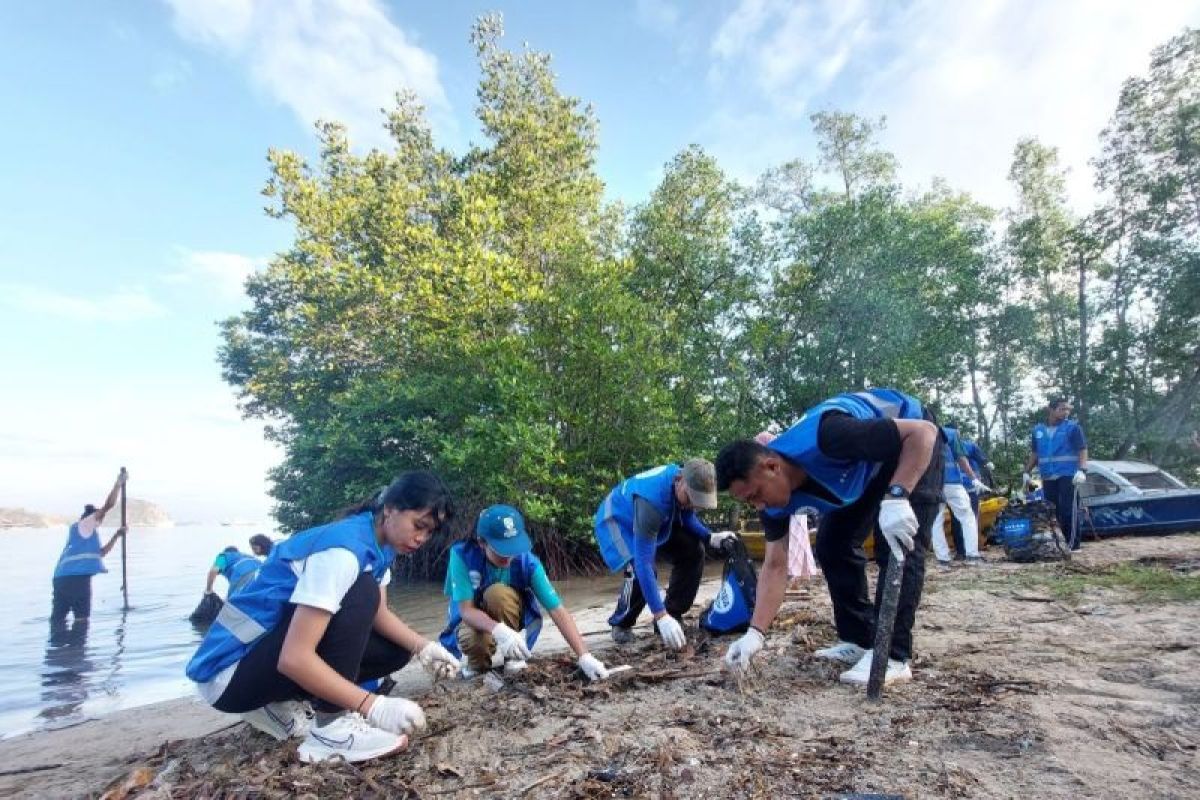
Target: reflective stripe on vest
[
  {"x": 80, "y": 557},
  {"x": 612, "y": 525},
  {"x": 245, "y": 629},
  {"x": 844, "y": 480}
]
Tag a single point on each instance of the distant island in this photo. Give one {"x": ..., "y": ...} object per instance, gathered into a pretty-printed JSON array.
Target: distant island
[{"x": 139, "y": 513}]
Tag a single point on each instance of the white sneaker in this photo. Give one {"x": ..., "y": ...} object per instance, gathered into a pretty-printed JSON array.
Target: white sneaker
[
  {"x": 860, "y": 673},
  {"x": 351, "y": 737},
  {"x": 846, "y": 652},
  {"x": 280, "y": 720},
  {"x": 514, "y": 666},
  {"x": 466, "y": 673}
]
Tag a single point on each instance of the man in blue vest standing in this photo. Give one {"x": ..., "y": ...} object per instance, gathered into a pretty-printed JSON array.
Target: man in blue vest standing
[
  {"x": 652, "y": 514},
  {"x": 865, "y": 459},
  {"x": 1058, "y": 449},
  {"x": 81, "y": 558}
]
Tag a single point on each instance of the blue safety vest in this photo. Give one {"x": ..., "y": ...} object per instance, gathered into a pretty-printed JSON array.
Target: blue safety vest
[
  {"x": 975, "y": 459},
  {"x": 1056, "y": 455},
  {"x": 951, "y": 472},
  {"x": 259, "y": 605},
  {"x": 845, "y": 480},
  {"x": 612, "y": 523},
  {"x": 239, "y": 569},
  {"x": 81, "y": 555},
  {"x": 520, "y": 577}
]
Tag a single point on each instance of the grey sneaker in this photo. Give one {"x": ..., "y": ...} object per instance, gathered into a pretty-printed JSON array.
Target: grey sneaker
[
  {"x": 350, "y": 737},
  {"x": 280, "y": 720},
  {"x": 622, "y": 635},
  {"x": 975, "y": 561}
]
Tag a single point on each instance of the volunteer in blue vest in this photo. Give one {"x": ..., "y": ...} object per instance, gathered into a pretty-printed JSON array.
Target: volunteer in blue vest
[
  {"x": 983, "y": 469},
  {"x": 1058, "y": 449},
  {"x": 81, "y": 558},
  {"x": 652, "y": 515},
  {"x": 315, "y": 623},
  {"x": 498, "y": 589},
  {"x": 236, "y": 567},
  {"x": 956, "y": 471},
  {"x": 863, "y": 459}
]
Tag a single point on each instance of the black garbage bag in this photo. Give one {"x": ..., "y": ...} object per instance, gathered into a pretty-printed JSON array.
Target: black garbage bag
[
  {"x": 207, "y": 609},
  {"x": 1029, "y": 532}
]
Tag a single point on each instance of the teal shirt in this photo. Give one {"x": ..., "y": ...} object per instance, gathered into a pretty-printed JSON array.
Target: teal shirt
[{"x": 458, "y": 583}]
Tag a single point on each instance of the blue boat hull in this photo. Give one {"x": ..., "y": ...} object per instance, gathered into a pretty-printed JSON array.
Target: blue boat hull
[{"x": 1174, "y": 512}]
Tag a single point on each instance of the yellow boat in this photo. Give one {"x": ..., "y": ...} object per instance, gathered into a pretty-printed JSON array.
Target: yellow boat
[{"x": 989, "y": 509}]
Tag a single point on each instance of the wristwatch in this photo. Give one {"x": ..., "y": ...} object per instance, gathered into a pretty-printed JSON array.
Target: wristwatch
[{"x": 897, "y": 491}]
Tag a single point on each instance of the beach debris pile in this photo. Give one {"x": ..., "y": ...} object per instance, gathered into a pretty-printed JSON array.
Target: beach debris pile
[{"x": 674, "y": 725}]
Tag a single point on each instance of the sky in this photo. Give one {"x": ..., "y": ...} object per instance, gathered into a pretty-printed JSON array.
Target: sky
[{"x": 132, "y": 155}]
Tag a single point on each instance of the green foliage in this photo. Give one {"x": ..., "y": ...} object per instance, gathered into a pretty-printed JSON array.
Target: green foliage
[{"x": 488, "y": 316}]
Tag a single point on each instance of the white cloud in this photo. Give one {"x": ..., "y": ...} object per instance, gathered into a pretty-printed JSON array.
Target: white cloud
[
  {"x": 123, "y": 305},
  {"x": 791, "y": 51},
  {"x": 960, "y": 83},
  {"x": 338, "y": 60},
  {"x": 225, "y": 272}
]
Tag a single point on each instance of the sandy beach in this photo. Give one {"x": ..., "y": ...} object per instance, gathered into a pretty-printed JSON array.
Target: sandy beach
[{"x": 1040, "y": 680}]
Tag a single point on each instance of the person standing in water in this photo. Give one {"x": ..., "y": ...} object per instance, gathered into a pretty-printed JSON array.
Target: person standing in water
[
  {"x": 237, "y": 567},
  {"x": 82, "y": 557},
  {"x": 315, "y": 623}
]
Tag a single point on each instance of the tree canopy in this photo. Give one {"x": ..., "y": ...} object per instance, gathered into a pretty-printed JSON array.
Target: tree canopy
[{"x": 490, "y": 316}]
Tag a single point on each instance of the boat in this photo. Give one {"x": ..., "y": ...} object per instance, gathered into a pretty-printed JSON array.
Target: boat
[
  {"x": 989, "y": 508},
  {"x": 1124, "y": 497}
]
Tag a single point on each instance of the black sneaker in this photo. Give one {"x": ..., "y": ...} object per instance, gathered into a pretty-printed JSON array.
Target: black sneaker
[{"x": 622, "y": 635}]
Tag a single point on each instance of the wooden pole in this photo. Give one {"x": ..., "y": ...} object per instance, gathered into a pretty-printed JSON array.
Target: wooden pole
[{"x": 124, "y": 524}]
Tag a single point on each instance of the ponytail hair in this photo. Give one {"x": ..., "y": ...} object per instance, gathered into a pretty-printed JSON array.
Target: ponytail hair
[{"x": 410, "y": 490}]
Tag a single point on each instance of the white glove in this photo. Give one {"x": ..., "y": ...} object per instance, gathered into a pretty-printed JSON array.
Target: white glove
[
  {"x": 512, "y": 644},
  {"x": 898, "y": 524},
  {"x": 737, "y": 657},
  {"x": 719, "y": 538},
  {"x": 1026, "y": 478},
  {"x": 592, "y": 667},
  {"x": 990, "y": 467},
  {"x": 438, "y": 661},
  {"x": 671, "y": 632},
  {"x": 979, "y": 486},
  {"x": 1080, "y": 478},
  {"x": 396, "y": 714}
]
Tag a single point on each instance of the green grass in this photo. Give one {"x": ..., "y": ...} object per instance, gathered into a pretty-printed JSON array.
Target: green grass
[{"x": 1154, "y": 582}]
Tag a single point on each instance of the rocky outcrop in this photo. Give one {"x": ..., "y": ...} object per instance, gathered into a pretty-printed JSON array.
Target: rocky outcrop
[
  {"x": 139, "y": 513},
  {"x": 21, "y": 518}
]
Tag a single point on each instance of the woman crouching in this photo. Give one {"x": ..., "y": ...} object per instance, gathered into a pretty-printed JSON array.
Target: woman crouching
[{"x": 314, "y": 623}]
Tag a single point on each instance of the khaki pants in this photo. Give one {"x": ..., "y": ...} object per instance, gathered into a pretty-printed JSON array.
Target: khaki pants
[{"x": 501, "y": 603}]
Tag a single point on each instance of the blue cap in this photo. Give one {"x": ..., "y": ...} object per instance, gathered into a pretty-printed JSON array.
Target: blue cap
[{"x": 503, "y": 528}]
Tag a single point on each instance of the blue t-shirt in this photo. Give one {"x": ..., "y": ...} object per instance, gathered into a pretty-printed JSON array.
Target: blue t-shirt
[{"x": 459, "y": 586}]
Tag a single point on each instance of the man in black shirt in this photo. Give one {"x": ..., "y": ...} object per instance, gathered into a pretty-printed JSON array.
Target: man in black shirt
[{"x": 862, "y": 459}]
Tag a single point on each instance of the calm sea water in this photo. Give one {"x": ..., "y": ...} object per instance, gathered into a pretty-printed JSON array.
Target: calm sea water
[{"x": 131, "y": 658}]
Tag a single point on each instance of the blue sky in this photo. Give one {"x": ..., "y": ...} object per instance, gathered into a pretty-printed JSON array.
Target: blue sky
[{"x": 134, "y": 136}]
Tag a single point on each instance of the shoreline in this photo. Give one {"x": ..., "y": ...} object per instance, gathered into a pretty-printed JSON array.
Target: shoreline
[{"x": 71, "y": 762}]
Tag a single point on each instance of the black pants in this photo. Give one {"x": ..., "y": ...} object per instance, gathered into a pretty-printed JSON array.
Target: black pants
[
  {"x": 686, "y": 556},
  {"x": 71, "y": 593},
  {"x": 956, "y": 527},
  {"x": 839, "y": 549},
  {"x": 1061, "y": 492},
  {"x": 349, "y": 645}
]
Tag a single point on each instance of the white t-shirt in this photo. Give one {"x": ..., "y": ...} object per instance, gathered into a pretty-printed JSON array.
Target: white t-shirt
[
  {"x": 88, "y": 525},
  {"x": 322, "y": 581}
]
